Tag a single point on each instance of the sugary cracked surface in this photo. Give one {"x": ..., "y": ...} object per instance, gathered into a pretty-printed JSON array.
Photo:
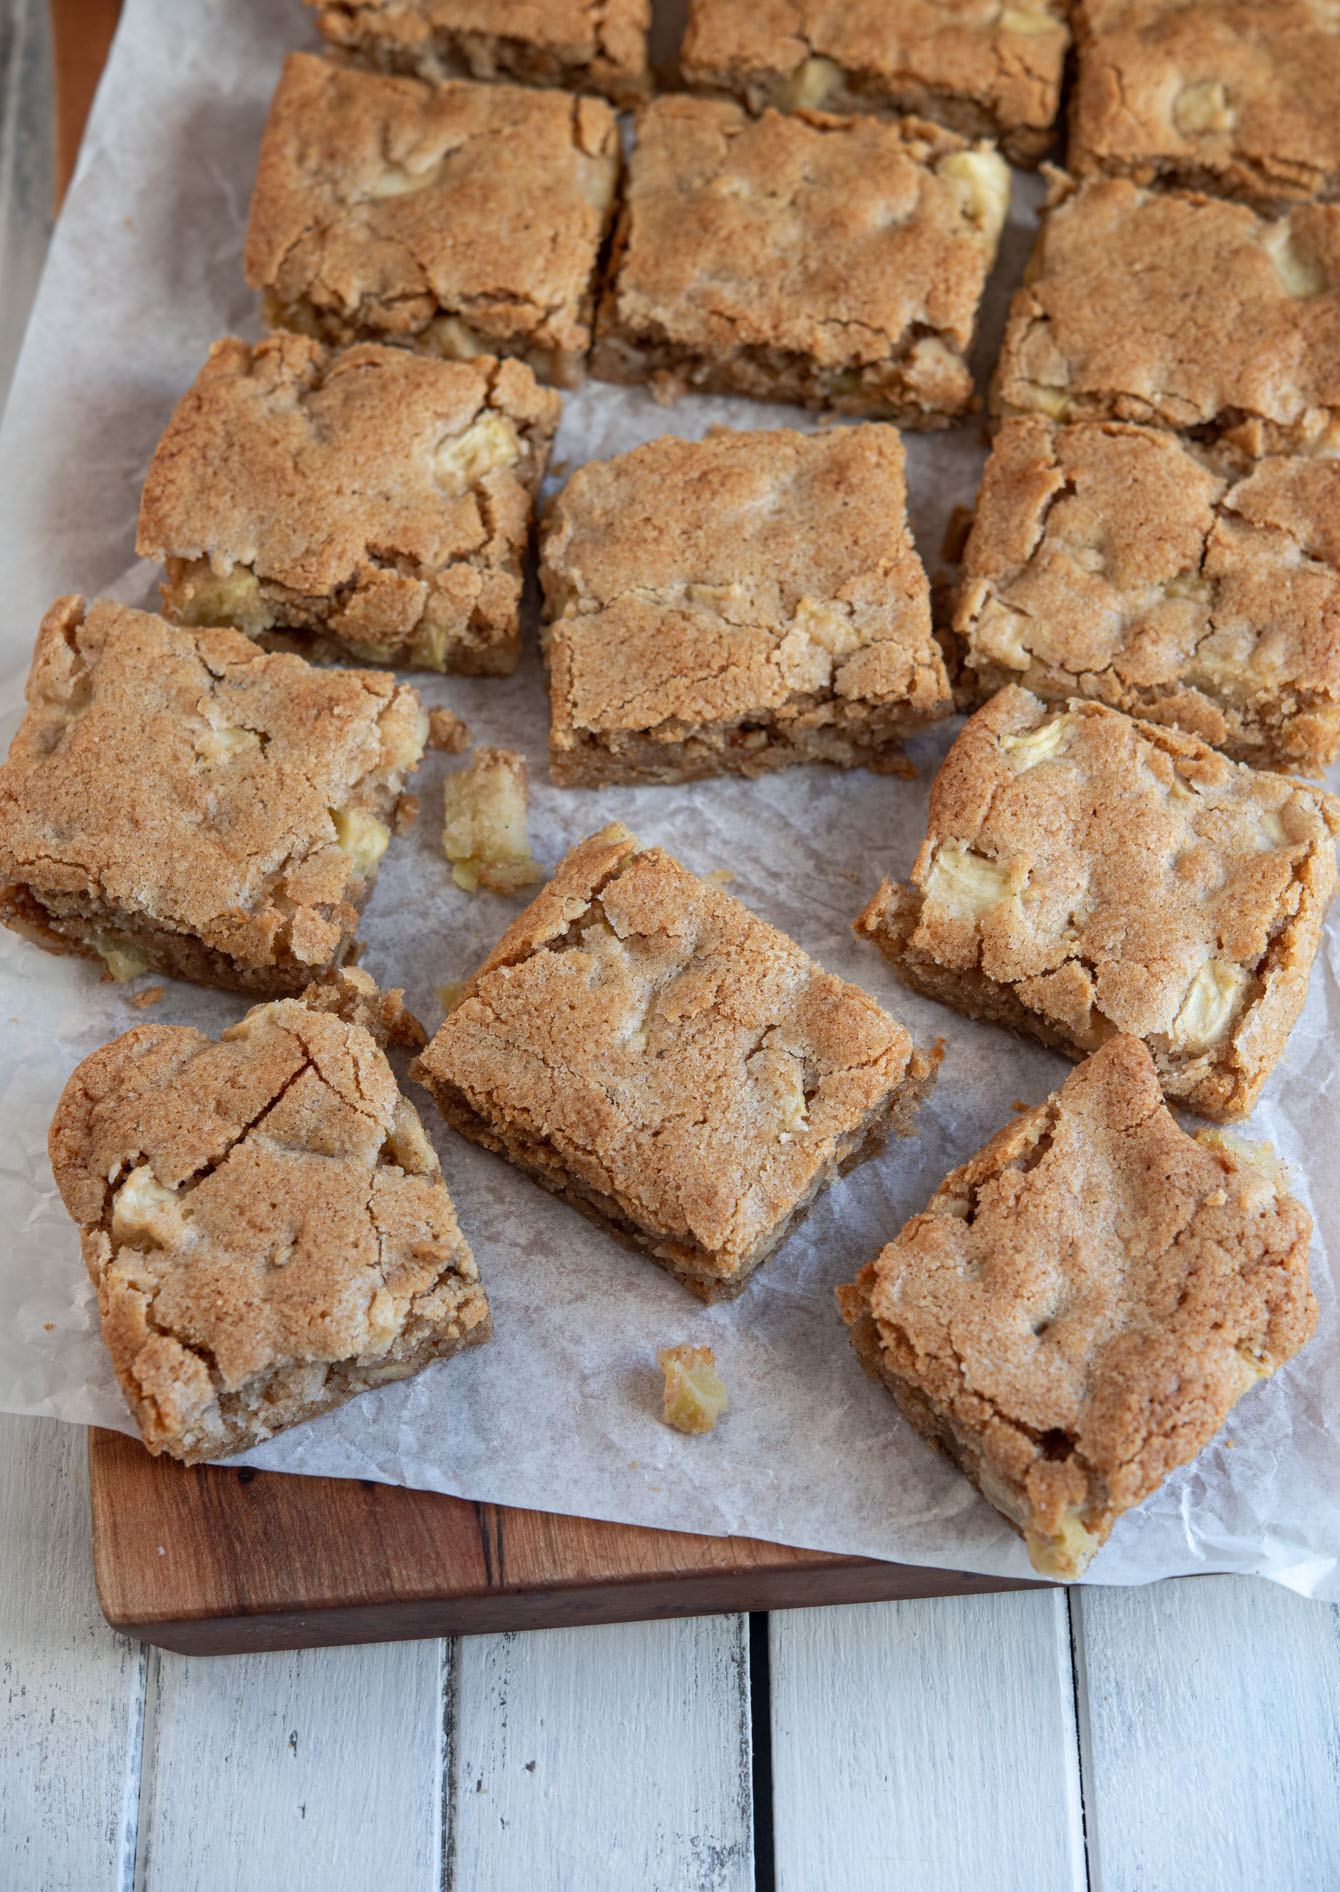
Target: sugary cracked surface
[
  {"x": 265, "y": 1222},
  {"x": 1084, "y": 874},
  {"x": 1078, "y": 1308},
  {"x": 736, "y": 604},
  {"x": 180, "y": 800},
  {"x": 1239, "y": 100},
  {"x": 368, "y": 502},
  {"x": 985, "y": 69},
  {"x": 645, "y": 1047},
  {"x": 1182, "y": 311},
  {"x": 836, "y": 262},
  {"x": 1117, "y": 562},
  {"x": 458, "y": 220},
  {"x": 587, "y": 45}
]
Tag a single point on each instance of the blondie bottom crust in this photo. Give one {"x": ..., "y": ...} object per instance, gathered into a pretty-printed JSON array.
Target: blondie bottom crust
[
  {"x": 985, "y": 70},
  {"x": 457, "y": 220},
  {"x": 834, "y": 262},
  {"x": 367, "y": 503},
  {"x": 181, "y": 801},
  {"x": 586, "y": 45},
  {"x": 1183, "y": 311},
  {"x": 1078, "y": 1309},
  {"x": 736, "y": 604},
  {"x": 1113, "y": 561},
  {"x": 1237, "y": 100},
  {"x": 265, "y": 1222},
  {"x": 1084, "y": 874},
  {"x": 643, "y": 1046}
]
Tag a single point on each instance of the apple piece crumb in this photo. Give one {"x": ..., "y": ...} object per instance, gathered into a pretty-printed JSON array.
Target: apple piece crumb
[
  {"x": 484, "y": 831},
  {"x": 694, "y": 1395}
]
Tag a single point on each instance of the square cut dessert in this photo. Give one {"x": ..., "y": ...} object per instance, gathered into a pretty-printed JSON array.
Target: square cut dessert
[
  {"x": 456, "y": 220},
  {"x": 586, "y": 45},
  {"x": 180, "y": 801},
  {"x": 737, "y": 604},
  {"x": 1238, "y": 100},
  {"x": 1117, "y": 562},
  {"x": 987, "y": 70},
  {"x": 834, "y": 262},
  {"x": 644, "y": 1047},
  {"x": 1084, "y": 874},
  {"x": 265, "y": 1222},
  {"x": 367, "y": 503},
  {"x": 1078, "y": 1309}
]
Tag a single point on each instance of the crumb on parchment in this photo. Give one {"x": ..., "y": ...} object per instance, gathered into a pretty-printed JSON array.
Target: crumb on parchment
[
  {"x": 694, "y": 1395},
  {"x": 484, "y": 828}
]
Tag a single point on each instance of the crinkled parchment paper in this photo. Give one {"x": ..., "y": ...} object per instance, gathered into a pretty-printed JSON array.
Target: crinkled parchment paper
[{"x": 560, "y": 1412}]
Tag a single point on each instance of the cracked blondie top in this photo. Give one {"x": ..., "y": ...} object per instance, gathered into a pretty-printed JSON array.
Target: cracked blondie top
[
  {"x": 587, "y": 45},
  {"x": 983, "y": 68},
  {"x": 834, "y": 262},
  {"x": 1183, "y": 311},
  {"x": 1084, "y": 874},
  {"x": 1117, "y": 562},
  {"x": 181, "y": 801},
  {"x": 736, "y": 604},
  {"x": 367, "y": 503},
  {"x": 265, "y": 1222},
  {"x": 684, "y": 1074},
  {"x": 1238, "y": 99},
  {"x": 458, "y": 220},
  {"x": 1078, "y": 1309}
]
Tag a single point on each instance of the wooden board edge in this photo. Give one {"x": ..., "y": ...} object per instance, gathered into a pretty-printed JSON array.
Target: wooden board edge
[{"x": 81, "y": 36}]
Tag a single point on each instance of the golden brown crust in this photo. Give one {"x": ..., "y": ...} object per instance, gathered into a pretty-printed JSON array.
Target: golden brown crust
[
  {"x": 644, "y": 1046},
  {"x": 1079, "y": 1307},
  {"x": 736, "y": 604},
  {"x": 1084, "y": 874},
  {"x": 265, "y": 1222},
  {"x": 210, "y": 810},
  {"x": 390, "y": 210},
  {"x": 372, "y": 500},
  {"x": 1117, "y": 562}
]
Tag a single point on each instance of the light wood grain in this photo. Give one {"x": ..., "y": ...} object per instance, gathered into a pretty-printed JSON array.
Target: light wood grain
[{"x": 927, "y": 1747}]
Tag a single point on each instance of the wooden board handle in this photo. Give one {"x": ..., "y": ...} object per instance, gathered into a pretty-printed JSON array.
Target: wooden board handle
[{"x": 81, "y": 32}]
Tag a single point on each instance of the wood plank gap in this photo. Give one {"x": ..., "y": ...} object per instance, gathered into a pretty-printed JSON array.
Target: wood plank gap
[
  {"x": 451, "y": 1762},
  {"x": 141, "y": 1842},
  {"x": 1079, "y": 1682},
  {"x": 130, "y": 1810},
  {"x": 759, "y": 1734}
]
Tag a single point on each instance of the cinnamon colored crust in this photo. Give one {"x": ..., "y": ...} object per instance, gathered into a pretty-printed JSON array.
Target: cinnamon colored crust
[
  {"x": 644, "y": 1047},
  {"x": 1078, "y": 1309},
  {"x": 1084, "y": 874}
]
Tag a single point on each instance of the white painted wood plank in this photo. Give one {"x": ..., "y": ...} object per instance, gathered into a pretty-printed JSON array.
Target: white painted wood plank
[
  {"x": 27, "y": 169},
  {"x": 926, "y": 1747},
  {"x": 71, "y": 1692},
  {"x": 316, "y": 1769},
  {"x": 1210, "y": 1727},
  {"x": 604, "y": 1760}
]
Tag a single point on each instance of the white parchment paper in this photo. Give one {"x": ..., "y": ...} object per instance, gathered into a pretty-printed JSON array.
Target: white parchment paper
[{"x": 560, "y": 1411}]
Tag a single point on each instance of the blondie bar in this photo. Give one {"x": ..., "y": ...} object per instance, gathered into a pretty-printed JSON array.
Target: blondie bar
[
  {"x": 1184, "y": 311},
  {"x": 1085, "y": 874},
  {"x": 265, "y": 1222},
  {"x": 685, "y": 1075},
  {"x": 1114, "y": 561},
  {"x": 987, "y": 71},
  {"x": 736, "y": 604},
  {"x": 180, "y": 801},
  {"x": 458, "y": 219},
  {"x": 1078, "y": 1308},
  {"x": 368, "y": 503},
  {"x": 836, "y": 262}
]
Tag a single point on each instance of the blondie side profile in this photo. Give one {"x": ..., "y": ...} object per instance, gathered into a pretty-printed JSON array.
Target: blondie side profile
[
  {"x": 1116, "y": 562},
  {"x": 457, "y": 220},
  {"x": 367, "y": 503},
  {"x": 644, "y": 1047},
  {"x": 1078, "y": 1309},
  {"x": 1239, "y": 100},
  {"x": 834, "y": 262},
  {"x": 1184, "y": 312},
  {"x": 986, "y": 72},
  {"x": 1085, "y": 874},
  {"x": 179, "y": 801},
  {"x": 264, "y": 1219},
  {"x": 737, "y": 604}
]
